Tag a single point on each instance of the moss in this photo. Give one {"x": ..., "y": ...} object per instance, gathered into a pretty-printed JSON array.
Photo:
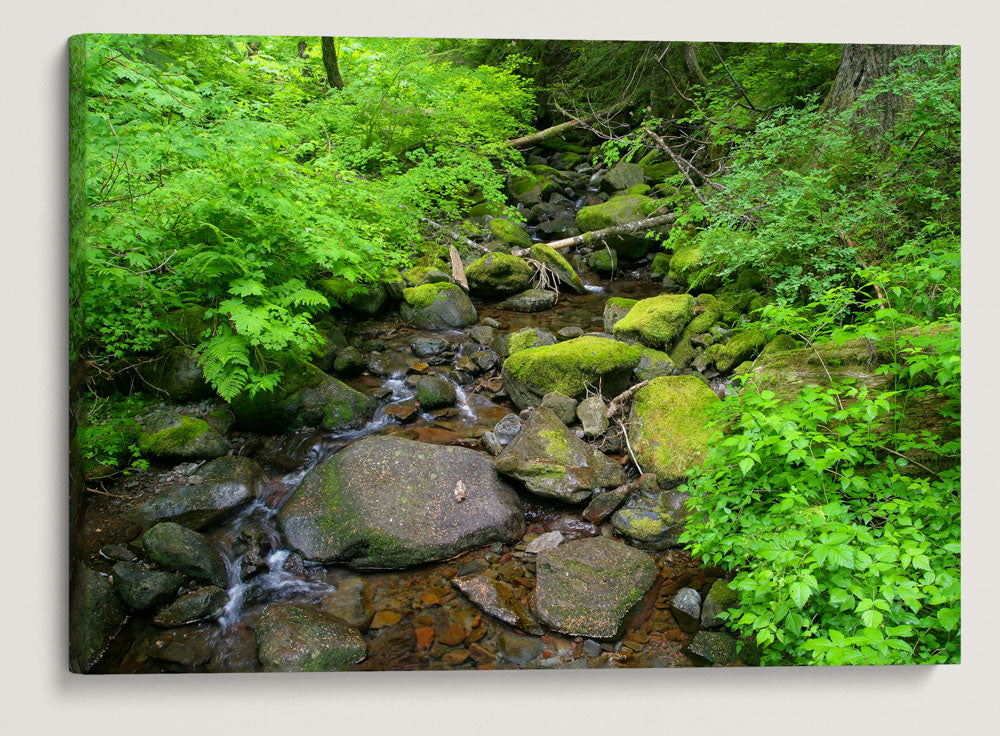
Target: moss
[
  {"x": 521, "y": 340},
  {"x": 683, "y": 352},
  {"x": 711, "y": 311},
  {"x": 542, "y": 170},
  {"x": 656, "y": 173},
  {"x": 485, "y": 209},
  {"x": 521, "y": 185},
  {"x": 556, "y": 445},
  {"x": 568, "y": 367},
  {"x": 621, "y": 301},
  {"x": 422, "y": 296},
  {"x": 750, "y": 279},
  {"x": 571, "y": 159},
  {"x": 743, "y": 345},
  {"x": 654, "y": 364},
  {"x": 614, "y": 309},
  {"x": 685, "y": 264},
  {"x": 757, "y": 304},
  {"x": 499, "y": 274},
  {"x": 603, "y": 261},
  {"x": 638, "y": 190},
  {"x": 560, "y": 265},
  {"x": 656, "y": 322},
  {"x": 669, "y": 431},
  {"x": 661, "y": 264},
  {"x": 743, "y": 368},
  {"x": 508, "y": 232},
  {"x": 172, "y": 441},
  {"x": 361, "y": 297},
  {"x": 778, "y": 344},
  {"x": 619, "y": 210},
  {"x": 643, "y": 527}
]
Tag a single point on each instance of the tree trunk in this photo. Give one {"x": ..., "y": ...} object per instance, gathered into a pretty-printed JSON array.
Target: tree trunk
[
  {"x": 542, "y": 135},
  {"x": 333, "y": 77},
  {"x": 599, "y": 235},
  {"x": 695, "y": 75}
]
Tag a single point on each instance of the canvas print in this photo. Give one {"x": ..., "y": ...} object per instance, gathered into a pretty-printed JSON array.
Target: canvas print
[{"x": 472, "y": 354}]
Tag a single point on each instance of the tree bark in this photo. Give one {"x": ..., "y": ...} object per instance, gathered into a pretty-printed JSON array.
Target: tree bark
[
  {"x": 695, "y": 75},
  {"x": 535, "y": 138},
  {"x": 596, "y": 235},
  {"x": 333, "y": 77}
]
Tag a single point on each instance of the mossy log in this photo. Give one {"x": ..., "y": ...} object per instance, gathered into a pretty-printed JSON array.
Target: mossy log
[{"x": 600, "y": 235}]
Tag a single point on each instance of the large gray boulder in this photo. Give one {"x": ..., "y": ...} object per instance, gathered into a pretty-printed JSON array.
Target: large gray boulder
[
  {"x": 218, "y": 489},
  {"x": 141, "y": 588},
  {"x": 388, "y": 502},
  {"x": 184, "y": 550},
  {"x": 587, "y": 587},
  {"x": 499, "y": 274},
  {"x": 551, "y": 461},
  {"x": 438, "y": 306}
]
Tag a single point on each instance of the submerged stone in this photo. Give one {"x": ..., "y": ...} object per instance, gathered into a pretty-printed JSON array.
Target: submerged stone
[
  {"x": 389, "y": 502},
  {"x": 497, "y": 598},
  {"x": 587, "y": 587},
  {"x": 353, "y": 602},
  {"x": 141, "y": 588},
  {"x": 293, "y": 638}
]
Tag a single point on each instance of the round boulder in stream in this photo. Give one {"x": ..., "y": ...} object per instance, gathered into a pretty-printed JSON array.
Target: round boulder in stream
[
  {"x": 588, "y": 586},
  {"x": 437, "y": 307},
  {"x": 298, "y": 639},
  {"x": 388, "y": 502}
]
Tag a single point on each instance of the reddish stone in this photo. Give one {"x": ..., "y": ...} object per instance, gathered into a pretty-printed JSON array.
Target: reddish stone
[{"x": 425, "y": 637}]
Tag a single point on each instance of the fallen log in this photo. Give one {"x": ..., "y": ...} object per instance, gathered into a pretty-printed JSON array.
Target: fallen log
[
  {"x": 458, "y": 268},
  {"x": 599, "y": 235},
  {"x": 535, "y": 138}
]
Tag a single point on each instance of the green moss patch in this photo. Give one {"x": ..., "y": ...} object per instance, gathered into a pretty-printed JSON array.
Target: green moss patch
[{"x": 656, "y": 322}]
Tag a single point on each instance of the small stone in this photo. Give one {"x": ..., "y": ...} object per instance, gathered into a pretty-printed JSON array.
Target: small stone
[
  {"x": 491, "y": 443},
  {"x": 197, "y": 605},
  {"x": 454, "y": 634},
  {"x": 591, "y": 648},
  {"x": 593, "y": 415},
  {"x": 562, "y": 406},
  {"x": 568, "y": 333},
  {"x": 604, "y": 504},
  {"x": 720, "y": 597},
  {"x": 455, "y": 657},
  {"x": 519, "y": 649},
  {"x": 424, "y": 636},
  {"x": 352, "y": 602},
  {"x": 298, "y": 639},
  {"x": 404, "y": 411},
  {"x": 508, "y": 428},
  {"x": 490, "y": 322},
  {"x": 713, "y": 647},
  {"x": 117, "y": 553},
  {"x": 430, "y": 599},
  {"x": 424, "y": 347},
  {"x": 385, "y": 618},
  {"x": 686, "y": 607},
  {"x": 549, "y": 540}
]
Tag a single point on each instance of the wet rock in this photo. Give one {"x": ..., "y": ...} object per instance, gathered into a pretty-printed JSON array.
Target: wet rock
[
  {"x": 593, "y": 415},
  {"x": 604, "y": 504},
  {"x": 568, "y": 333},
  {"x": 486, "y": 360},
  {"x": 168, "y": 435},
  {"x": 251, "y": 546},
  {"x": 96, "y": 615},
  {"x": 721, "y": 597},
  {"x": 197, "y": 605},
  {"x": 297, "y": 639},
  {"x": 306, "y": 397},
  {"x": 591, "y": 648},
  {"x": 437, "y": 307},
  {"x": 483, "y": 335},
  {"x": 141, "y": 588},
  {"x": 622, "y": 176},
  {"x": 472, "y": 566},
  {"x": 189, "y": 647},
  {"x": 560, "y": 266},
  {"x": 532, "y": 300},
  {"x": 713, "y": 647},
  {"x": 507, "y": 428},
  {"x": 686, "y": 607},
  {"x": 587, "y": 587},
  {"x": 216, "y": 490},
  {"x": 404, "y": 411},
  {"x": 573, "y": 526},
  {"x": 653, "y": 520},
  {"x": 498, "y": 599},
  {"x": 434, "y": 392},
  {"x": 669, "y": 425},
  {"x": 603, "y": 261},
  {"x": 117, "y": 553},
  {"x": 352, "y": 603},
  {"x": 178, "y": 548},
  {"x": 345, "y": 511},
  {"x": 562, "y": 406},
  {"x": 519, "y": 649},
  {"x": 551, "y": 461},
  {"x": 491, "y": 444},
  {"x": 349, "y": 362},
  {"x": 387, "y": 362},
  {"x": 549, "y": 540},
  {"x": 424, "y": 347},
  {"x": 569, "y": 367}
]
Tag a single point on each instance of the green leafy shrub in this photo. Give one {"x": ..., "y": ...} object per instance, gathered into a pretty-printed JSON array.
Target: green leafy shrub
[{"x": 108, "y": 434}]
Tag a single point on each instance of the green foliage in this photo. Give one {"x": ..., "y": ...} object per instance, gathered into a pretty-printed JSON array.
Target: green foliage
[
  {"x": 108, "y": 434},
  {"x": 233, "y": 181}
]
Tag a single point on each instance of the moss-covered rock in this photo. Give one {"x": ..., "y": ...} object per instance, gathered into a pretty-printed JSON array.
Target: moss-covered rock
[
  {"x": 96, "y": 615},
  {"x": 184, "y": 550},
  {"x": 554, "y": 260},
  {"x": 750, "y": 279},
  {"x": 620, "y": 210},
  {"x": 345, "y": 511},
  {"x": 551, "y": 461},
  {"x": 653, "y": 520},
  {"x": 485, "y": 209},
  {"x": 141, "y": 588},
  {"x": 508, "y": 232},
  {"x": 656, "y": 322},
  {"x": 603, "y": 261},
  {"x": 689, "y": 267},
  {"x": 569, "y": 367},
  {"x": 622, "y": 176},
  {"x": 563, "y": 407},
  {"x": 707, "y": 310},
  {"x": 324, "y": 355},
  {"x": 293, "y": 638},
  {"x": 743, "y": 345},
  {"x": 614, "y": 309},
  {"x": 168, "y": 435},
  {"x": 669, "y": 427},
  {"x": 217, "y": 490},
  {"x": 499, "y": 274},
  {"x": 756, "y": 305},
  {"x": 657, "y": 172},
  {"x": 200, "y": 604},
  {"x": 431, "y": 272},
  {"x": 306, "y": 397},
  {"x": 177, "y": 372},
  {"x": 587, "y": 587},
  {"x": 532, "y": 188},
  {"x": 434, "y": 392},
  {"x": 526, "y": 337},
  {"x": 364, "y": 298},
  {"x": 438, "y": 307},
  {"x": 661, "y": 264},
  {"x": 778, "y": 344},
  {"x": 720, "y": 598}
]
